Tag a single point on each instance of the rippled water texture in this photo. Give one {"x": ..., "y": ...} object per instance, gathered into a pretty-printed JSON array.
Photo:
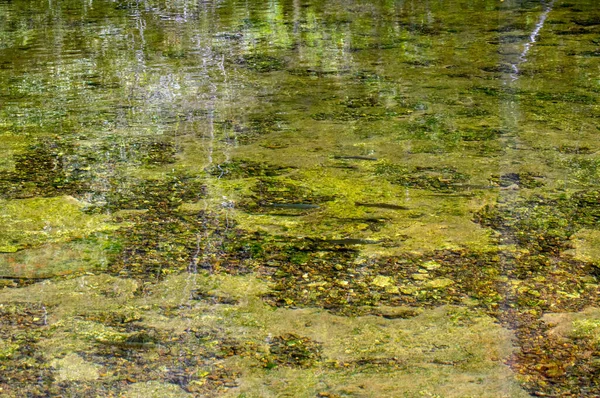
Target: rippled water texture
[{"x": 299, "y": 198}]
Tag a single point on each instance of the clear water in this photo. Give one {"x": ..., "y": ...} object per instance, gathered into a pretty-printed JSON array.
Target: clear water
[{"x": 299, "y": 198}]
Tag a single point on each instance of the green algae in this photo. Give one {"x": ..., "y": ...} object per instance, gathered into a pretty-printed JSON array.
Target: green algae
[
  {"x": 262, "y": 63},
  {"x": 101, "y": 345},
  {"x": 292, "y": 350},
  {"x": 73, "y": 368},
  {"x": 585, "y": 245},
  {"x": 32, "y": 222},
  {"x": 40, "y": 171},
  {"x": 12, "y": 144},
  {"x": 253, "y": 128},
  {"x": 153, "y": 389},
  {"x": 203, "y": 123},
  {"x": 346, "y": 345},
  {"x": 423, "y": 177},
  {"x": 521, "y": 180},
  {"x": 157, "y": 194},
  {"x": 368, "y": 344},
  {"x": 440, "y": 222},
  {"x": 354, "y": 114},
  {"x": 271, "y": 195},
  {"x": 241, "y": 168},
  {"x": 542, "y": 223},
  {"x": 155, "y": 244}
]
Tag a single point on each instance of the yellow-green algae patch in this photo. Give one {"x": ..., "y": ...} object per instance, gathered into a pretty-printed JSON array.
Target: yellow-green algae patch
[
  {"x": 586, "y": 245},
  {"x": 7, "y": 349},
  {"x": 422, "y": 221},
  {"x": 88, "y": 293},
  {"x": 74, "y": 368},
  {"x": 449, "y": 351},
  {"x": 576, "y": 325},
  {"x": 11, "y": 144},
  {"x": 299, "y": 93},
  {"x": 32, "y": 222}
]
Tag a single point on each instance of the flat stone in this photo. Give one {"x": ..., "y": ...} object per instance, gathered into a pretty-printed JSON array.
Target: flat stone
[
  {"x": 419, "y": 277},
  {"x": 431, "y": 265},
  {"x": 392, "y": 289},
  {"x": 397, "y": 312},
  {"x": 439, "y": 283},
  {"x": 382, "y": 281},
  {"x": 74, "y": 368},
  {"x": 31, "y": 222}
]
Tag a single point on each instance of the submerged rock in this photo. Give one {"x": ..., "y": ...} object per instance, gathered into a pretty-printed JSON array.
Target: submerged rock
[
  {"x": 74, "y": 368},
  {"x": 32, "y": 222},
  {"x": 382, "y": 281},
  {"x": 439, "y": 283}
]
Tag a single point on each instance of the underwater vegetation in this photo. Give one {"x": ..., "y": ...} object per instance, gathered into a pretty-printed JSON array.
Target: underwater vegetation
[
  {"x": 255, "y": 127},
  {"x": 304, "y": 199}
]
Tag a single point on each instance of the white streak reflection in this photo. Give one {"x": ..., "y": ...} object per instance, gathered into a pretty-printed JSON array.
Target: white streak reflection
[{"x": 532, "y": 39}]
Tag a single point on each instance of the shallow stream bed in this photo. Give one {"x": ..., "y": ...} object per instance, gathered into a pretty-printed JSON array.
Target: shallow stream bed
[{"x": 299, "y": 198}]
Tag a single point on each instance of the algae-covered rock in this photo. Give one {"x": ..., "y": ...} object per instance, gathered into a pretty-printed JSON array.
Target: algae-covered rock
[
  {"x": 382, "y": 281},
  {"x": 586, "y": 245},
  {"x": 11, "y": 144},
  {"x": 449, "y": 352},
  {"x": 439, "y": 283},
  {"x": 7, "y": 349},
  {"x": 74, "y": 368},
  {"x": 419, "y": 276},
  {"x": 431, "y": 265},
  {"x": 31, "y": 222}
]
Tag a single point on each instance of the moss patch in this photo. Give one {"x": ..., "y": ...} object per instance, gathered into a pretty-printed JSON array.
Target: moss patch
[
  {"x": 432, "y": 178},
  {"x": 586, "y": 245},
  {"x": 542, "y": 223},
  {"x": 46, "y": 168},
  {"x": 32, "y": 222},
  {"x": 157, "y": 194},
  {"x": 73, "y": 368},
  {"x": 246, "y": 168},
  {"x": 262, "y": 63}
]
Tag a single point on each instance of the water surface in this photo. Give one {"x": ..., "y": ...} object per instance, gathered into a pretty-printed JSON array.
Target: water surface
[{"x": 299, "y": 198}]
